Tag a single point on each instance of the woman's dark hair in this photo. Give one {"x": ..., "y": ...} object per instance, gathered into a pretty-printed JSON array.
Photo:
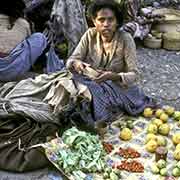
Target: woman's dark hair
[
  {"x": 14, "y": 9},
  {"x": 39, "y": 14},
  {"x": 97, "y": 5}
]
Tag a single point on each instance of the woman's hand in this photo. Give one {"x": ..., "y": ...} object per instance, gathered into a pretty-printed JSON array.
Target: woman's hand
[
  {"x": 79, "y": 66},
  {"x": 106, "y": 75}
]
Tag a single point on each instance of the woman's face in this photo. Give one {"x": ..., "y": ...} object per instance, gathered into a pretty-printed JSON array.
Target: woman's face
[{"x": 105, "y": 23}]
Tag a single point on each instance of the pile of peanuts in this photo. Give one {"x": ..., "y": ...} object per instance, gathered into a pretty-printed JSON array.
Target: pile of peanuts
[
  {"x": 131, "y": 166},
  {"x": 128, "y": 153}
]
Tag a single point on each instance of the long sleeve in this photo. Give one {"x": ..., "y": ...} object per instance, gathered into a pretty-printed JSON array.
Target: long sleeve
[
  {"x": 80, "y": 51},
  {"x": 131, "y": 75}
]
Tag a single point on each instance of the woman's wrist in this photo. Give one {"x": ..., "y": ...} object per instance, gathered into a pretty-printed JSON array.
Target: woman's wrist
[{"x": 116, "y": 77}]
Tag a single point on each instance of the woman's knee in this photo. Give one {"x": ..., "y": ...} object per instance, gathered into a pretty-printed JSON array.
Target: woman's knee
[
  {"x": 38, "y": 37},
  {"x": 37, "y": 41}
]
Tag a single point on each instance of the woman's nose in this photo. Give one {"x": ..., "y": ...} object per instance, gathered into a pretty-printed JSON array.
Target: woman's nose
[{"x": 106, "y": 23}]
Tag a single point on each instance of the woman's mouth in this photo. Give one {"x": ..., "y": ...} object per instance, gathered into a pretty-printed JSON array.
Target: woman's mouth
[{"x": 106, "y": 31}]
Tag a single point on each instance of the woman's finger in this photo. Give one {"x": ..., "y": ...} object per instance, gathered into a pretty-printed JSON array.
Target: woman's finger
[
  {"x": 80, "y": 68},
  {"x": 99, "y": 78},
  {"x": 99, "y": 71},
  {"x": 86, "y": 64}
]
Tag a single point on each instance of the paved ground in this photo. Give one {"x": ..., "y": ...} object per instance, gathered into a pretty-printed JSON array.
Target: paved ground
[{"x": 160, "y": 71}]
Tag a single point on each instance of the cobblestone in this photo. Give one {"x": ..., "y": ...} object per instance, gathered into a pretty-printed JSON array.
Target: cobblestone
[{"x": 160, "y": 70}]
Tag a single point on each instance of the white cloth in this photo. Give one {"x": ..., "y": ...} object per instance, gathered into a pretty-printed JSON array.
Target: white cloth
[{"x": 9, "y": 38}]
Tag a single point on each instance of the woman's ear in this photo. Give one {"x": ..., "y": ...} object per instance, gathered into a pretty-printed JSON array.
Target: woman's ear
[{"x": 94, "y": 22}]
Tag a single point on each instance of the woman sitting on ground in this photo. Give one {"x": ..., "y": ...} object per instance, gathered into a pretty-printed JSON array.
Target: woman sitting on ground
[
  {"x": 18, "y": 48},
  {"x": 112, "y": 54}
]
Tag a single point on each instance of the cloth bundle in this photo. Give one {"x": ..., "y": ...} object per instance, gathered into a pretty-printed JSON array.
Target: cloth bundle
[{"x": 15, "y": 135}]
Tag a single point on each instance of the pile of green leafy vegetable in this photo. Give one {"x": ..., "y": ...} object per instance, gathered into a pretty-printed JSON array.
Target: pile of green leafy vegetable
[{"x": 84, "y": 152}]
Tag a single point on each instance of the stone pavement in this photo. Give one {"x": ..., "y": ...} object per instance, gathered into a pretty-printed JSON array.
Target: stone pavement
[{"x": 160, "y": 70}]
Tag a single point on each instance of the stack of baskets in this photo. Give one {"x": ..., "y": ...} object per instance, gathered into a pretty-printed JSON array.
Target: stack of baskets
[
  {"x": 171, "y": 41},
  {"x": 165, "y": 34},
  {"x": 153, "y": 40}
]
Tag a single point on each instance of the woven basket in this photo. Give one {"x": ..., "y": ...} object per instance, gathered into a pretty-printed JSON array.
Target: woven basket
[
  {"x": 156, "y": 34},
  {"x": 152, "y": 42},
  {"x": 171, "y": 41},
  {"x": 171, "y": 21}
]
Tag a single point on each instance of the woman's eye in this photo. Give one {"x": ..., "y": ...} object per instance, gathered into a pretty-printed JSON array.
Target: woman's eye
[
  {"x": 110, "y": 19},
  {"x": 101, "y": 20}
]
